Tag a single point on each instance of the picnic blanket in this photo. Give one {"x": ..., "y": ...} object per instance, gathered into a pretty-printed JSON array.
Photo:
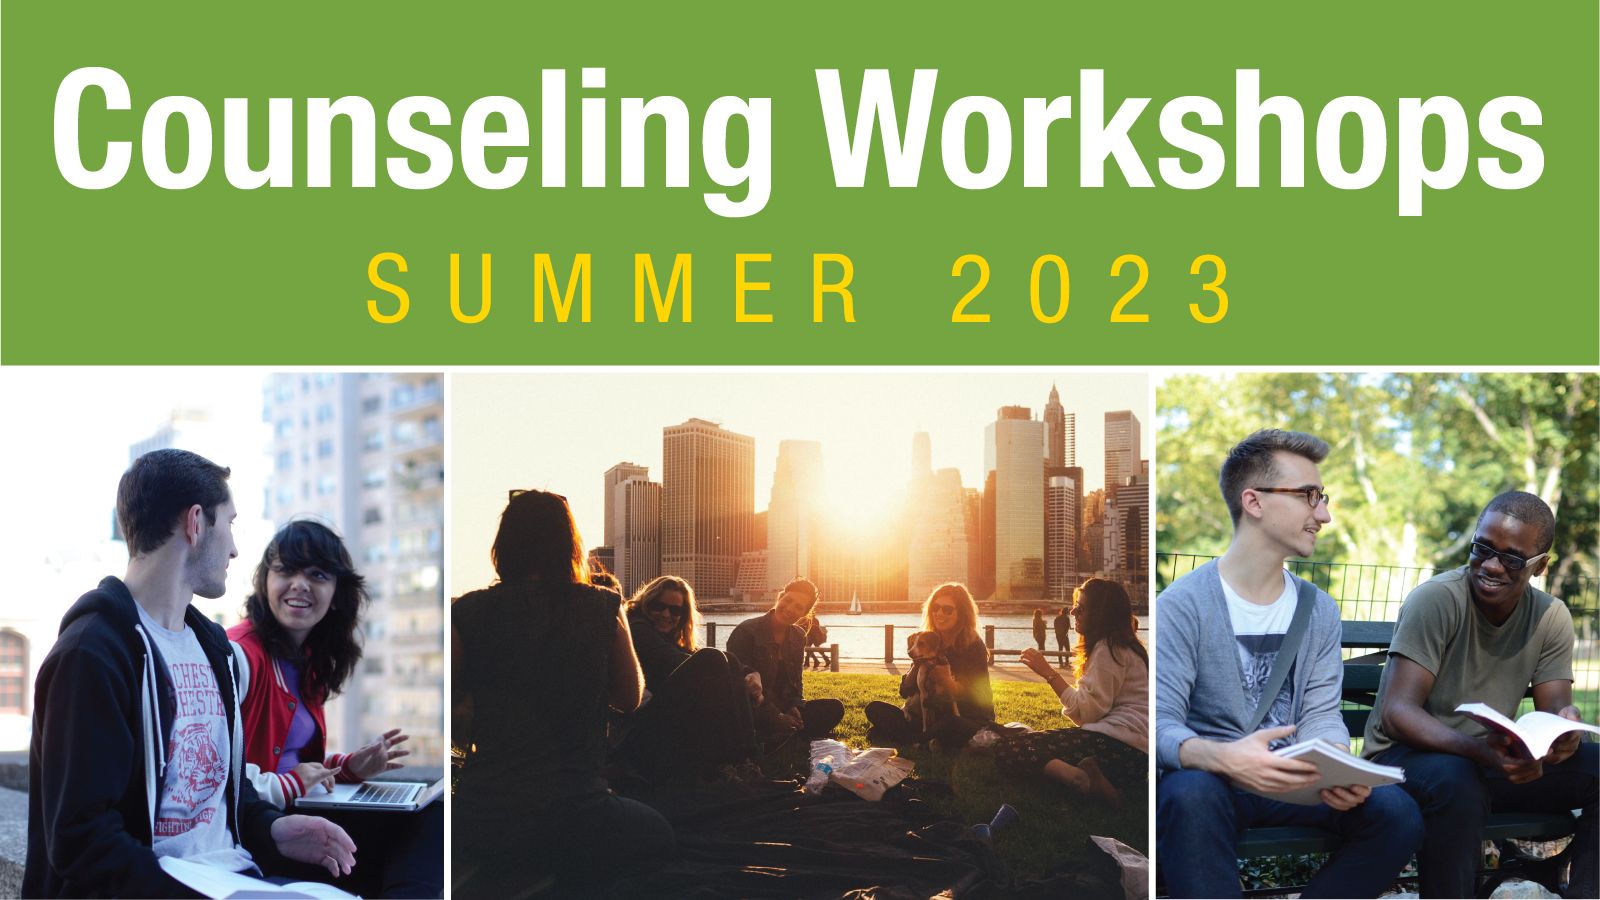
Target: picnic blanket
[{"x": 769, "y": 839}]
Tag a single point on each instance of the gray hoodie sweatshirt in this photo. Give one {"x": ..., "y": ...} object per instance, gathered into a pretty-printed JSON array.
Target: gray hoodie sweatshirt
[{"x": 1200, "y": 687}]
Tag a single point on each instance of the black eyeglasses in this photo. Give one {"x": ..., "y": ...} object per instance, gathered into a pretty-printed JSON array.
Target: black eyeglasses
[
  {"x": 1314, "y": 496},
  {"x": 1512, "y": 562},
  {"x": 936, "y": 608},
  {"x": 657, "y": 606}
]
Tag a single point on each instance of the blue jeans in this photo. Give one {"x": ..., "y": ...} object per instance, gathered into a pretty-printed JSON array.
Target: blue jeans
[
  {"x": 1199, "y": 817},
  {"x": 1456, "y": 797}
]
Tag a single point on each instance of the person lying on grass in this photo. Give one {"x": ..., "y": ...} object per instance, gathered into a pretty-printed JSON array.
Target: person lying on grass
[{"x": 1106, "y": 755}]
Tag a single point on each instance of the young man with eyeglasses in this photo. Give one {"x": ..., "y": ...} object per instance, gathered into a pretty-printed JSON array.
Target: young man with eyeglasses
[
  {"x": 1482, "y": 633},
  {"x": 1219, "y": 633}
]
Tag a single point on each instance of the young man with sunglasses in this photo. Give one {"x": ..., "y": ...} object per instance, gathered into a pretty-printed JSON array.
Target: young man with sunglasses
[
  {"x": 1483, "y": 634},
  {"x": 1219, "y": 634}
]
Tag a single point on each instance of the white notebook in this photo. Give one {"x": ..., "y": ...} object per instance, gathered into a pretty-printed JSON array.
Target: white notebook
[
  {"x": 1339, "y": 768},
  {"x": 224, "y": 885}
]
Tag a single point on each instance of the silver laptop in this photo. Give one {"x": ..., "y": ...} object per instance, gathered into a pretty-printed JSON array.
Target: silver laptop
[{"x": 391, "y": 796}]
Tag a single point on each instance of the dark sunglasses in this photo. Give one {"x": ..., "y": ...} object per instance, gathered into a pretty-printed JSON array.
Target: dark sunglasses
[
  {"x": 938, "y": 608},
  {"x": 1512, "y": 562},
  {"x": 657, "y": 606}
]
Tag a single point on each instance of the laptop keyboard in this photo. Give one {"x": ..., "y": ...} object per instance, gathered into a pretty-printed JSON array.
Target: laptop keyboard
[{"x": 377, "y": 792}]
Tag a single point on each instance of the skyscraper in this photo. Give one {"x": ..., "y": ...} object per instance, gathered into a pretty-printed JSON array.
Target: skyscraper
[
  {"x": 707, "y": 504},
  {"x": 615, "y": 476},
  {"x": 1055, "y": 431},
  {"x": 1061, "y": 536},
  {"x": 938, "y": 533},
  {"x": 797, "y": 491},
  {"x": 921, "y": 455},
  {"x": 638, "y": 548},
  {"x": 1015, "y": 452},
  {"x": 365, "y": 452},
  {"x": 1122, "y": 448}
]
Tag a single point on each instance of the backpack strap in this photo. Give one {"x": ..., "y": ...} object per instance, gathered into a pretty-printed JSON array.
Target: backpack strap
[{"x": 1292, "y": 639}]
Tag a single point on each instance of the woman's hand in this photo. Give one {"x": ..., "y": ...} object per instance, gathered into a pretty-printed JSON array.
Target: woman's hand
[
  {"x": 1035, "y": 660},
  {"x": 312, "y": 774},
  {"x": 317, "y": 841},
  {"x": 379, "y": 756}
]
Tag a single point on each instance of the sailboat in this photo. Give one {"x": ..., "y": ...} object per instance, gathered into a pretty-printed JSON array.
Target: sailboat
[{"x": 855, "y": 605}]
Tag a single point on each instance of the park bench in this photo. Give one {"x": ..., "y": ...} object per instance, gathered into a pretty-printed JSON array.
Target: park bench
[{"x": 1360, "y": 692}]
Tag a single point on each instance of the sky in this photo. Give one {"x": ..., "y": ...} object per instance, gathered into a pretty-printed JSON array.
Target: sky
[
  {"x": 561, "y": 430},
  {"x": 71, "y": 431}
]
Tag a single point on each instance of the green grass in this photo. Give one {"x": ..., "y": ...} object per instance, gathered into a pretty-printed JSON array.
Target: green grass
[{"x": 1055, "y": 822}]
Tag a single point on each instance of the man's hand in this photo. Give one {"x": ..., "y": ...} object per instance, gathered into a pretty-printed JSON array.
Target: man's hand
[
  {"x": 312, "y": 774},
  {"x": 1248, "y": 763},
  {"x": 379, "y": 756},
  {"x": 1511, "y": 759},
  {"x": 1346, "y": 798},
  {"x": 1035, "y": 660},
  {"x": 752, "y": 687},
  {"x": 310, "y": 839},
  {"x": 1567, "y": 744}
]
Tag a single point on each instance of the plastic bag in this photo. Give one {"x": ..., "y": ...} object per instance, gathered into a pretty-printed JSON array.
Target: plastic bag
[
  {"x": 866, "y": 773},
  {"x": 826, "y": 756},
  {"x": 872, "y": 772},
  {"x": 1133, "y": 866}
]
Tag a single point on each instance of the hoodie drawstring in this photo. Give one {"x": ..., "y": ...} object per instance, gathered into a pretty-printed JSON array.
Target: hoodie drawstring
[{"x": 155, "y": 764}]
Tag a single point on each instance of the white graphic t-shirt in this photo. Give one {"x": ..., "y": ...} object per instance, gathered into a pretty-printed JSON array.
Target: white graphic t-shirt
[
  {"x": 1258, "y": 632},
  {"x": 191, "y": 814}
]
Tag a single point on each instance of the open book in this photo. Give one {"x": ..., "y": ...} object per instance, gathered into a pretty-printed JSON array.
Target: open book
[
  {"x": 1536, "y": 731},
  {"x": 1338, "y": 768},
  {"x": 220, "y": 883}
]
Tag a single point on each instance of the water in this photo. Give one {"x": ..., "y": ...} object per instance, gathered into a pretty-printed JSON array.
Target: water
[{"x": 861, "y": 637}]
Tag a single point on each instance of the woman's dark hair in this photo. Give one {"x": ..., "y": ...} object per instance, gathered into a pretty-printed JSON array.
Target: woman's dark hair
[
  {"x": 331, "y": 650},
  {"x": 1107, "y": 616},
  {"x": 538, "y": 541}
]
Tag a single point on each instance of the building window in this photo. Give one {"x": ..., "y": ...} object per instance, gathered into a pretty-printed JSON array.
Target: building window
[
  {"x": 372, "y": 404},
  {"x": 327, "y": 485},
  {"x": 324, "y": 448},
  {"x": 372, "y": 441},
  {"x": 371, "y": 516},
  {"x": 324, "y": 413},
  {"x": 13, "y": 673},
  {"x": 285, "y": 461}
]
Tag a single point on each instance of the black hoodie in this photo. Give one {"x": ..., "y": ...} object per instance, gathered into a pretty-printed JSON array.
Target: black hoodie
[{"x": 94, "y": 764}]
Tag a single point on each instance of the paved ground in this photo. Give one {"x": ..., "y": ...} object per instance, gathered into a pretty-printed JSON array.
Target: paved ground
[{"x": 1002, "y": 670}]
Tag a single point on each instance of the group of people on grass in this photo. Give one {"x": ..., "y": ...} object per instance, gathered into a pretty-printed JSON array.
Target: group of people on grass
[
  {"x": 158, "y": 735},
  {"x": 1479, "y": 633},
  {"x": 559, "y": 682}
]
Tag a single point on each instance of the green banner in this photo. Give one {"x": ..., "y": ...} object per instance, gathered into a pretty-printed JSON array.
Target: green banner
[{"x": 1107, "y": 184}]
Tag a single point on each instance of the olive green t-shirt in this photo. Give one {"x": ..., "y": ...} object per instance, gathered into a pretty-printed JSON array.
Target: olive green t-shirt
[{"x": 1471, "y": 660}]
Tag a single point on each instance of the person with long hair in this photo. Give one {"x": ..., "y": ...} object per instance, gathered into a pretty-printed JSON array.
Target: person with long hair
[
  {"x": 773, "y": 646},
  {"x": 1107, "y": 752},
  {"x": 537, "y": 658},
  {"x": 950, "y": 612},
  {"x": 300, "y": 648},
  {"x": 697, "y": 713}
]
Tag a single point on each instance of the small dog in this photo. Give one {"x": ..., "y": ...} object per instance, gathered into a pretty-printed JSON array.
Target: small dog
[{"x": 931, "y": 702}]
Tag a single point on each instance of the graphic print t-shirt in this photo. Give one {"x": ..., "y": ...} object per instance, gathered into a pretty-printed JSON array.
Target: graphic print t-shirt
[
  {"x": 191, "y": 815},
  {"x": 1258, "y": 632}
]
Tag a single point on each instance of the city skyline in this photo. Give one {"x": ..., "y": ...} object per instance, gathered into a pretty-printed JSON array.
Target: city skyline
[{"x": 853, "y": 416}]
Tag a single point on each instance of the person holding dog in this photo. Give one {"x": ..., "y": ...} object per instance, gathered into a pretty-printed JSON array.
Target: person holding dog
[
  {"x": 951, "y": 613},
  {"x": 1107, "y": 754}
]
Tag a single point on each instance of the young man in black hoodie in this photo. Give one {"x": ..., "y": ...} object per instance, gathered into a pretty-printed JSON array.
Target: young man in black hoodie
[{"x": 137, "y": 749}]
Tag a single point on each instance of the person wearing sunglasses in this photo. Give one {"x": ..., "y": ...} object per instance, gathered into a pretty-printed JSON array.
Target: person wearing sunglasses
[
  {"x": 536, "y": 659},
  {"x": 773, "y": 646},
  {"x": 696, "y": 714},
  {"x": 1482, "y": 633},
  {"x": 1228, "y": 692},
  {"x": 950, "y": 611}
]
